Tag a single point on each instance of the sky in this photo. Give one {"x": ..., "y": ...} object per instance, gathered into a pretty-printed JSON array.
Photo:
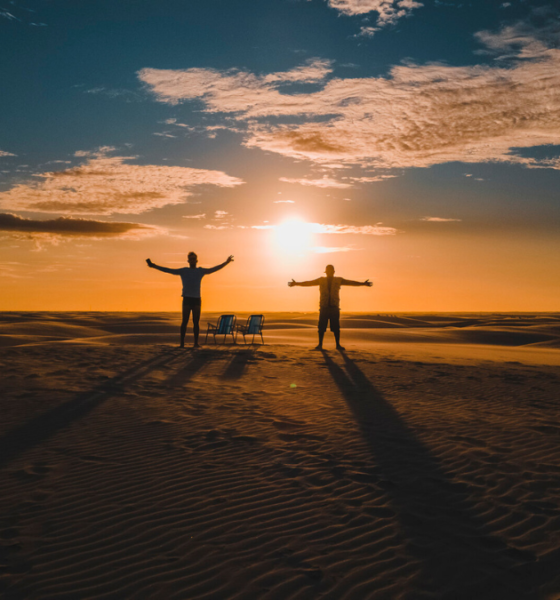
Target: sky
[{"x": 414, "y": 143}]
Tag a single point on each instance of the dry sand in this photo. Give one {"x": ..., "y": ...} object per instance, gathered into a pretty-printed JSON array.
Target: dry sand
[{"x": 424, "y": 462}]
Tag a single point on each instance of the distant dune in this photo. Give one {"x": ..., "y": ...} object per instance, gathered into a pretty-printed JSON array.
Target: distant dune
[{"x": 423, "y": 462}]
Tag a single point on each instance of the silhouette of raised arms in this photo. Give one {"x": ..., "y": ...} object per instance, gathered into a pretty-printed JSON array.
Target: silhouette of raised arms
[
  {"x": 178, "y": 271},
  {"x": 343, "y": 281},
  {"x": 163, "y": 269}
]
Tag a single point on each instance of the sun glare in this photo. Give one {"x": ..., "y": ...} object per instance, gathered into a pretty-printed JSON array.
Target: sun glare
[{"x": 293, "y": 237}]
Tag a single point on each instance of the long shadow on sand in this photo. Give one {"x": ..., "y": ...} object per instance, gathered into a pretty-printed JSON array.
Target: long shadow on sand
[
  {"x": 188, "y": 370},
  {"x": 457, "y": 555},
  {"x": 40, "y": 428},
  {"x": 238, "y": 364}
]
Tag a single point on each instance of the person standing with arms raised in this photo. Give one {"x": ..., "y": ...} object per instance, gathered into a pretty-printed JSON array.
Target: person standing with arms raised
[
  {"x": 191, "y": 277},
  {"x": 329, "y": 302}
]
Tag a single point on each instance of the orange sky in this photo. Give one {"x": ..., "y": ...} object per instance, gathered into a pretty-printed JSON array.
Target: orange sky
[{"x": 410, "y": 273}]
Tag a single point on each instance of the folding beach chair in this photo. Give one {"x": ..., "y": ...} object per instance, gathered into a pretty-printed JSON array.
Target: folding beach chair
[
  {"x": 253, "y": 327},
  {"x": 225, "y": 327}
]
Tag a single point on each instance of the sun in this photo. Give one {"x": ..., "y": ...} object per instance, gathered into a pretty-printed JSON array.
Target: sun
[{"x": 293, "y": 237}]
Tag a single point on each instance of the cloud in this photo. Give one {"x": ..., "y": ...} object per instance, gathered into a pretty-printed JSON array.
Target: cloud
[
  {"x": 284, "y": 202},
  {"x": 127, "y": 95},
  {"x": 347, "y": 229},
  {"x": 3, "y": 153},
  {"x": 324, "y": 182},
  {"x": 8, "y": 15},
  {"x": 201, "y": 216},
  {"x": 340, "y": 229},
  {"x": 106, "y": 185},
  {"x": 417, "y": 116},
  {"x": 372, "y": 179},
  {"x": 76, "y": 228},
  {"x": 438, "y": 219},
  {"x": 220, "y": 214},
  {"x": 367, "y": 31},
  {"x": 329, "y": 250},
  {"x": 389, "y": 11},
  {"x": 174, "y": 86},
  {"x": 218, "y": 226}
]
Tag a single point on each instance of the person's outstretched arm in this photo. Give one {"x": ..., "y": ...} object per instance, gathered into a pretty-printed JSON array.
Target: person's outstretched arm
[
  {"x": 218, "y": 267},
  {"x": 304, "y": 283},
  {"x": 163, "y": 269},
  {"x": 367, "y": 282}
]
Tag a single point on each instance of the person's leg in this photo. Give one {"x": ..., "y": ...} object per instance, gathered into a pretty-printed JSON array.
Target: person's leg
[
  {"x": 337, "y": 339},
  {"x": 323, "y": 320},
  {"x": 196, "y": 319},
  {"x": 335, "y": 327},
  {"x": 185, "y": 322}
]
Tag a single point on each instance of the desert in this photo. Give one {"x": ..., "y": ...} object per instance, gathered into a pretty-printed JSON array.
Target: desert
[{"x": 421, "y": 462}]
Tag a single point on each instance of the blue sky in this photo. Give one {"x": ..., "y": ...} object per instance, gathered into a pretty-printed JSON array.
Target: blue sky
[{"x": 398, "y": 130}]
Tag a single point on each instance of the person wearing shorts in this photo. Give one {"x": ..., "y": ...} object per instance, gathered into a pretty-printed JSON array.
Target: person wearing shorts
[
  {"x": 191, "y": 277},
  {"x": 329, "y": 302}
]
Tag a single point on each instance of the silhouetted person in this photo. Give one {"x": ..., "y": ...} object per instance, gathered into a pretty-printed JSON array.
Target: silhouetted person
[
  {"x": 329, "y": 302},
  {"x": 191, "y": 277}
]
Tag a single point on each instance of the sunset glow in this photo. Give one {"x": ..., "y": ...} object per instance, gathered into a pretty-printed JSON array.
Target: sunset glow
[
  {"x": 292, "y": 237},
  {"x": 289, "y": 134}
]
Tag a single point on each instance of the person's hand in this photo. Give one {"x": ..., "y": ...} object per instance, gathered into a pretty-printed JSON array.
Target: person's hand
[
  {"x": 292, "y": 283},
  {"x": 368, "y": 283},
  {"x": 229, "y": 259},
  {"x": 150, "y": 263}
]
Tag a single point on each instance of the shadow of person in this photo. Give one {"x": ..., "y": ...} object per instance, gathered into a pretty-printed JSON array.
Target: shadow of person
[
  {"x": 189, "y": 369},
  {"x": 238, "y": 364},
  {"x": 42, "y": 427},
  {"x": 457, "y": 555}
]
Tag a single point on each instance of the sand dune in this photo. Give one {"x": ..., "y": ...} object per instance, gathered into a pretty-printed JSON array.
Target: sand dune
[{"x": 421, "y": 463}]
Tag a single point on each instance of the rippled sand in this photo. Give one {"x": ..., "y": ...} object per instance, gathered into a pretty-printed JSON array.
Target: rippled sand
[{"x": 423, "y": 462}]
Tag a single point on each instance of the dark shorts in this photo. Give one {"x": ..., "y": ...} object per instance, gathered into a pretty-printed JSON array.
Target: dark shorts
[
  {"x": 331, "y": 314},
  {"x": 191, "y": 302}
]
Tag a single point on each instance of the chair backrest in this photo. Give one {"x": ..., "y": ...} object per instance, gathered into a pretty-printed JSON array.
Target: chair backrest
[
  {"x": 255, "y": 324},
  {"x": 225, "y": 325}
]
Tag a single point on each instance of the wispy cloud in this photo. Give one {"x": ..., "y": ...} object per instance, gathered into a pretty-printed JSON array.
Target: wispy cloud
[
  {"x": 4, "y": 153},
  {"x": 201, "y": 216},
  {"x": 218, "y": 226},
  {"x": 75, "y": 228},
  {"x": 329, "y": 250},
  {"x": 418, "y": 116},
  {"x": 324, "y": 182},
  {"x": 127, "y": 95},
  {"x": 377, "y": 229},
  {"x": 284, "y": 202},
  {"x": 339, "y": 229},
  {"x": 389, "y": 11},
  {"x": 221, "y": 90},
  {"x": 4, "y": 14},
  {"x": 106, "y": 185},
  {"x": 438, "y": 219},
  {"x": 372, "y": 179}
]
